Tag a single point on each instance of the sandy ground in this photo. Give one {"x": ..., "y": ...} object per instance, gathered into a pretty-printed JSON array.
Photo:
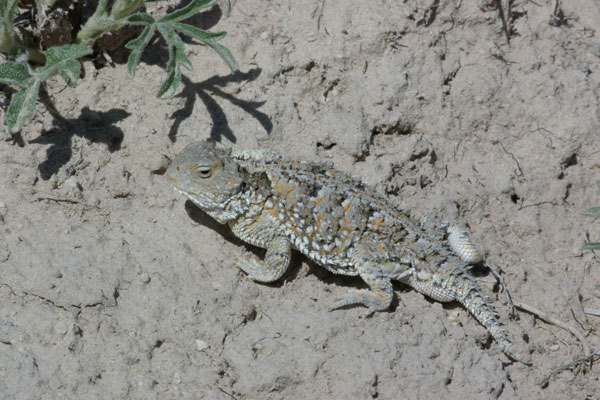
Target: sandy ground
[{"x": 112, "y": 286}]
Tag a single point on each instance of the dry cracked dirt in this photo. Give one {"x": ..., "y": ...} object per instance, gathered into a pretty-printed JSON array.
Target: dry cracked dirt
[{"x": 112, "y": 286}]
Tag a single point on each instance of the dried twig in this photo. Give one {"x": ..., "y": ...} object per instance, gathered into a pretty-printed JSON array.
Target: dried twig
[
  {"x": 431, "y": 13},
  {"x": 575, "y": 363},
  {"x": 511, "y": 306},
  {"x": 579, "y": 365},
  {"x": 557, "y": 18},
  {"x": 318, "y": 11},
  {"x": 504, "y": 18},
  {"x": 554, "y": 321},
  {"x": 592, "y": 311},
  {"x": 227, "y": 393},
  {"x": 57, "y": 200}
]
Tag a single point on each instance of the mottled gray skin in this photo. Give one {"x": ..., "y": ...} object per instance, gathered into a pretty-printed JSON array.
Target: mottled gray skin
[{"x": 337, "y": 222}]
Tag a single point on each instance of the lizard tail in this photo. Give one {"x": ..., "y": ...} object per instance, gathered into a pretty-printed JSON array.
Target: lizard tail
[{"x": 452, "y": 282}]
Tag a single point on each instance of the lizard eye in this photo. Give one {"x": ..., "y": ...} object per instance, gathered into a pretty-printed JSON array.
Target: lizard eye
[{"x": 204, "y": 171}]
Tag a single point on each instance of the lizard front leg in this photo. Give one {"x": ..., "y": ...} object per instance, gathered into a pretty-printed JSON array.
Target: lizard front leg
[{"x": 259, "y": 232}]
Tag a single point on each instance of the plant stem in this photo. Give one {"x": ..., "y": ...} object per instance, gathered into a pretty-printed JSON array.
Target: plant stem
[
  {"x": 103, "y": 21},
  {"x": 8, "y": 42}
]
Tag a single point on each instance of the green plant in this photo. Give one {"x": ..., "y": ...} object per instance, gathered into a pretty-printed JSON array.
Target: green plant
[
  {"x": 105, "y": 19},
  {"x": 8, "y": 41},
  {"x": 59, "y": 60},
  {"x": 168, "y": 26},
  {"x": 24, "y": 47},
  {"x": 594, "y": 212}
]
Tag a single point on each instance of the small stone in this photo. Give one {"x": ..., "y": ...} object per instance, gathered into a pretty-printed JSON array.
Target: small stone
[
  {"x": 4, "y": 251},
  {"x": 5, "y": 134},
  {"x": 73, "y": 184},
  {"x": 595, "y": 49},
  {"x": 454, "y": 318},
  {"x": 145, "y": 278},
  {"x": 61, "y": 328},
  {"x": 131, "y": 360},
  {"x": 3, "y": 211},
  {"x": 249, "y": 312},
  {"x": 159, "y": 165},
  {"x": 201, "y": 345}
]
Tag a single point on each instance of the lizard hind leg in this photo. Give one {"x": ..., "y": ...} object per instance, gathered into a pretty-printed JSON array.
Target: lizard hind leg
[
  {"x": 377, "y": 298},
  {"x": 461, "y": 245}
]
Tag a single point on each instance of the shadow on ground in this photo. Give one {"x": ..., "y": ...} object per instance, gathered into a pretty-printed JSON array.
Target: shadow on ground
[
  {"x": 96, "y": 126},
  {"x": 202, "y": 218},
  {"x": 209, "y": 88}
]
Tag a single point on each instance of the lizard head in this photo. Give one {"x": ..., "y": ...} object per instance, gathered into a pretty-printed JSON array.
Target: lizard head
[{"x": 208, "y": 177}]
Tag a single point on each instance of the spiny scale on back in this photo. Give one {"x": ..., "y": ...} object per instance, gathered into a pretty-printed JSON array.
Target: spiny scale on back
[{"x": 337, "y": 222}]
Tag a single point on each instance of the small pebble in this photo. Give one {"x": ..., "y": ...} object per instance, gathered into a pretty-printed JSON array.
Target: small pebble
[
  {"x": 595, "y": 49},
  {"x": 61, "y": 328},
  {"x": 3, "y": 211},
  {"x": 145, "y": 278},
  {"x": 72, "y": 184},
  {"x": 454, "y": 317},
  {"x": 158, "y": 165},
  {"x": 201, "y": 345}
]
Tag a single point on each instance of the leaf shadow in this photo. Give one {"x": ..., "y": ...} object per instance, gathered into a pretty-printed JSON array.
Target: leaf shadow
[
  {"x": 204, "y": 19},
  {"x": 212, "y": 87},
  {"x": 96, "y": 126}
]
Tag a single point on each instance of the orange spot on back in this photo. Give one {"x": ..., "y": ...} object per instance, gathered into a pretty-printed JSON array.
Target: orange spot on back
[
  {"x": 378, "y": 221},
  {"x": 345, "y": 221},
  {"x": 347, "y": 206}
]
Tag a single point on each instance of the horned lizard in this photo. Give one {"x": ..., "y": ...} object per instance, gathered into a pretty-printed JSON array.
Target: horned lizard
[{"x": 336, "y": 221}]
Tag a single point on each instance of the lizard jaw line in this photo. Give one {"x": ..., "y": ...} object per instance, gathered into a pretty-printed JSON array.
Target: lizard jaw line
[{"x": 183, "y": 192}]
